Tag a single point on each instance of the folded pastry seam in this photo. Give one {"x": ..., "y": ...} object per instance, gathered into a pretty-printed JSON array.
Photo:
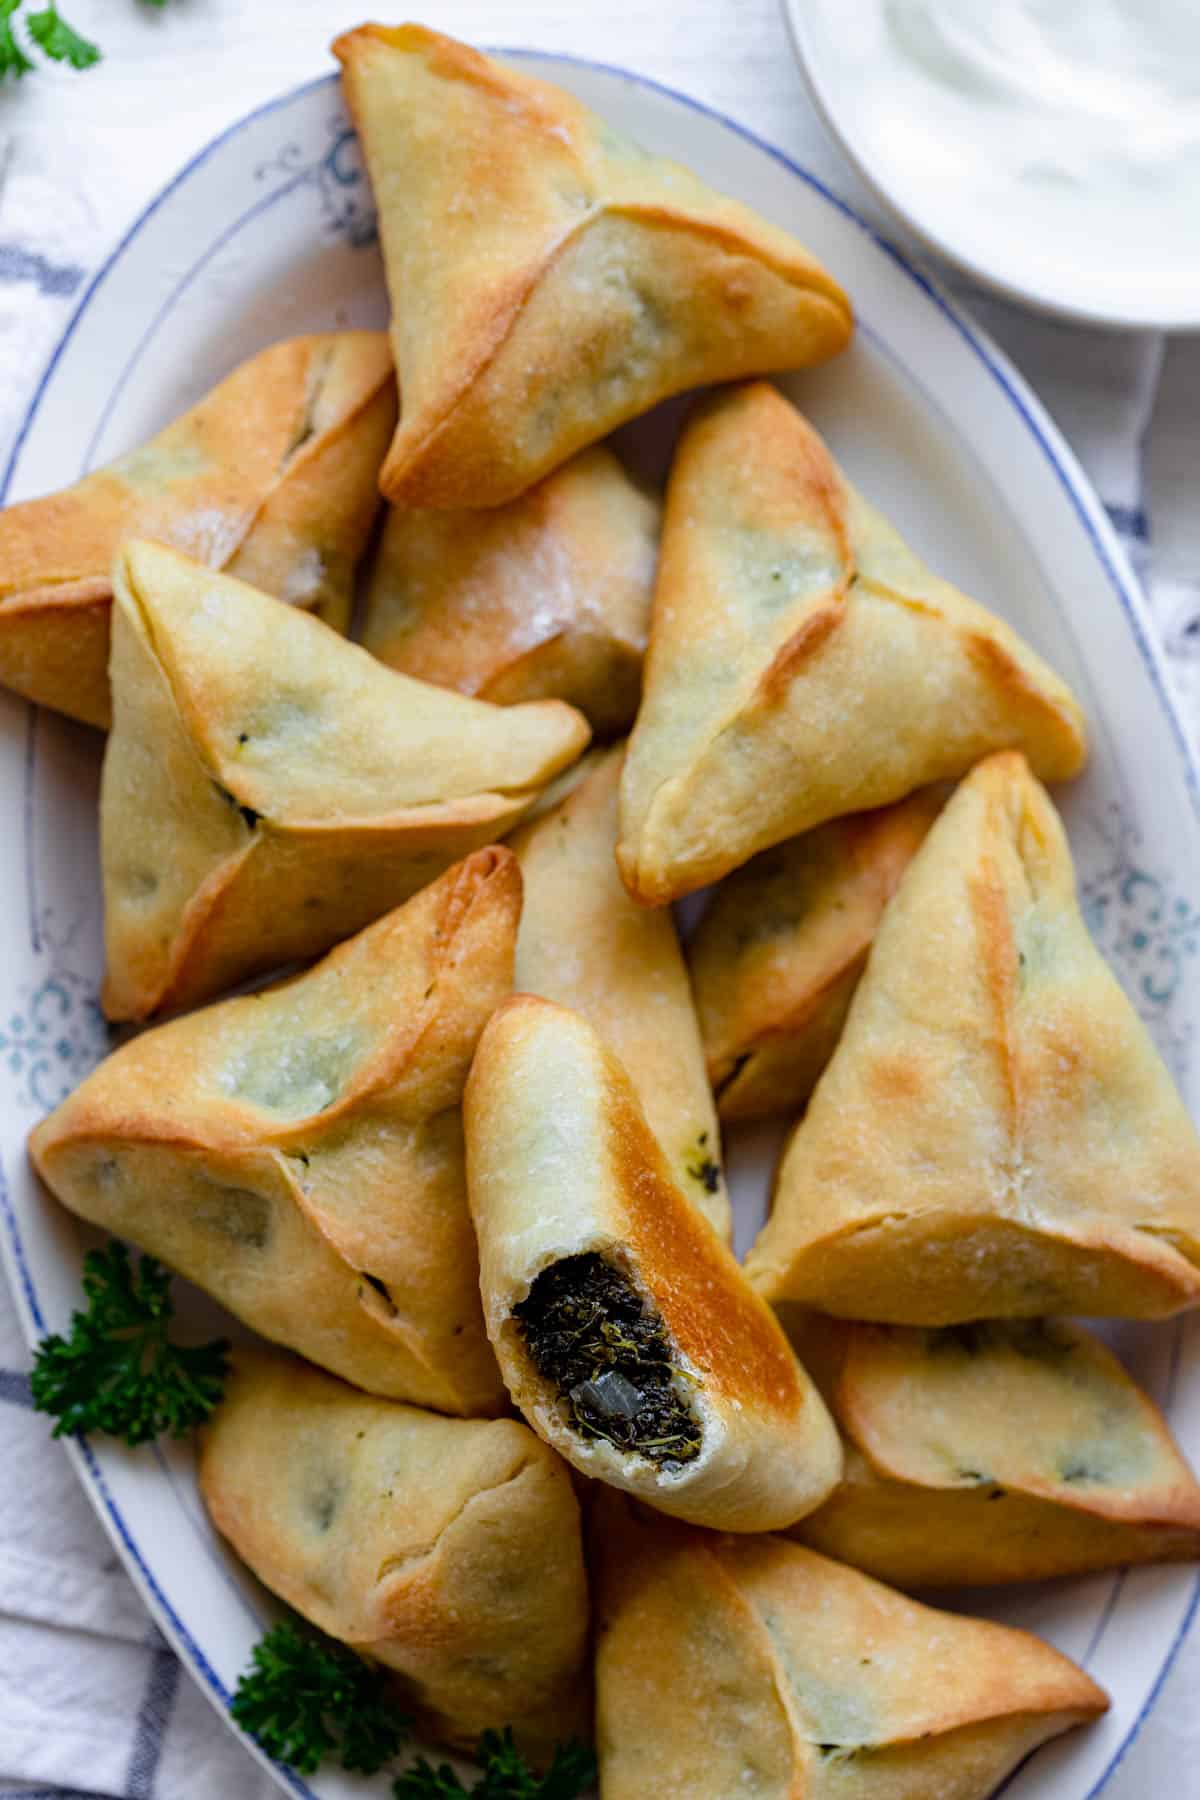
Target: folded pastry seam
[
  {"x": 298, "y": 1151},
  {"x": 996, "y": 1135},
  {"x": 447, "y": 1550},
  {"x": 269, "y": 788},
  {"x": 272, "y": 475},
  {"x": 995, "y": 1452},
  {"x": 748, "y": 1664},
  {"x": 589, "y": 279},
  {"x": 804, "y": 664}
]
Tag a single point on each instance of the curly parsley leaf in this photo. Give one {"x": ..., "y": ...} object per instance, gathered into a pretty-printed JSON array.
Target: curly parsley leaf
[
  {"x": 59, "y": 41},
  {"x": 424, "y": 1782},
  {"x": 506, "y": 1775},
  {"x": 306, "y": 1697},
  {"x": 13, "y": 60},
  {"x": 117, "y": 1370},
  {"x": 571, "y": 1773}
]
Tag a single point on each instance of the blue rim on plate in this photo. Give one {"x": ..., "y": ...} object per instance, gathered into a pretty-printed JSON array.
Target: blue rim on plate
[{"x": 1054, "y": 452}]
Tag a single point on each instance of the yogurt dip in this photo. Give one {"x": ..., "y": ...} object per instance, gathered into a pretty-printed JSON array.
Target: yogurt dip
[{"x": 1046, "y": 142}]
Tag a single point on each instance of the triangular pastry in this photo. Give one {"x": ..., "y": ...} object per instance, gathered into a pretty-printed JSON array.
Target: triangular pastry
[
  {"x": 1007, "y": 1451},
  {"x": 298, "y": 1152},
  {"x": 996, "y": 1136},
  {"x": 545, "y": 598},
  {"x": 585, "y": 944},
  {"x": 779, "y": 951},
  {"x": 549, "y": 278},
  {"x": 272, "y": 476},
  {"x": 447, "y": 1550},
  {"x": 624, "y": 1329},
  {"x": 269, "y": 788},
  {"x": 729, "y": 1666},
  {"x": 803, "y": 662}
]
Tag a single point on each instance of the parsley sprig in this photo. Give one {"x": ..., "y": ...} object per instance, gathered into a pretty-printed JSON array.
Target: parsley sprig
[
  {"x": 60, "y": 41},
  {"x": 57, "y": 40},
  {"x": 306, "y": 1698},
  {"x": 117, "y": 1370},
  {"x": 506, "y": 1775},
  {"x": 13, "y": 60}
]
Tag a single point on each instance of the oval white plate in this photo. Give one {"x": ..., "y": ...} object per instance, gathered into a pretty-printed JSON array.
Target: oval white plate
[
  {"x": 1061, "y": 269},
  {"x": 270, "y": 232}
]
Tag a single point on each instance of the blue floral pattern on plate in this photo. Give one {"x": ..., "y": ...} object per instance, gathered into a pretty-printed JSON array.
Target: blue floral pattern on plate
[
  {"x": 1146, "y": 929},
  {"x": 340, "y": 179},
  {"x": 58, "y": 1033}
]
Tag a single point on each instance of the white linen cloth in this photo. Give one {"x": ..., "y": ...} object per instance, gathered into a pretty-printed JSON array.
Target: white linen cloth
[{"x": 91, "y": 1700}]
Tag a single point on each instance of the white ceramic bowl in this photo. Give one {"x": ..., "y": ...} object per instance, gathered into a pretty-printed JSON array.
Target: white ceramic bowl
[{"x": 1080, "y": 274}]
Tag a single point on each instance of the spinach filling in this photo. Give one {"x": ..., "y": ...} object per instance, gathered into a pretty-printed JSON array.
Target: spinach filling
[
  {"x": 248, "y": 813},
  {"x": 591, "y": 1334},
  {"x": 704, "y": 1169}
]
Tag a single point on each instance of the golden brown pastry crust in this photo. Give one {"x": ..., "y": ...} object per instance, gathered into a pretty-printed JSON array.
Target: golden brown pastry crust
[
  {"x": 269, "y": 788},
  {"x": 585, "y": 944},
  {"x": 803, "y": 662},
  {"x": 778, "y": 954},
  {"x": 298, "y": 1152},
  {"x": 751, "y": 1666},
  {"x": 272, "y": 476},
  {"x": 996, "y": 1136},
  {"x": 545, "y": 598},
  {"x": 550, "y": 279},
  {"x": 993, "y": 1453},
  {"x": 446, "y": 1549},
  {"x": 561, "y": 1163}
]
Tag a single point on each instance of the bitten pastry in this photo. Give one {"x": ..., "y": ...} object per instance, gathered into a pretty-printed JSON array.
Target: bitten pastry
[
  {"x": 778, "y": 954},
  {"x": 546, "y": 598},
  {"x": 623, "y": 1327},
  {"x": 585, "y": 944},
  {"x": 550, "y": 279},
  {"x": 995, "y": 1136},
  {"x": 272, "y": 477},
  {"x": 1007, "y": 1451},
  {"x": 298, "y": 1152},
  {"x": 446, "y": 1549},
  {"x": 803, "y": 662},
  {"x": 732, "y": 1666},
  {"x": 269, "y": 788}
]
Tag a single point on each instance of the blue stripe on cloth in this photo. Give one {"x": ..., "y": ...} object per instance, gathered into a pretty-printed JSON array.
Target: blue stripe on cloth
[
  {"x": 56, "y": 280},
  {"x": 14, "y": 1387},
  {"x": 162, "y": 1685},
  {"x": 1131, "y": 521}
]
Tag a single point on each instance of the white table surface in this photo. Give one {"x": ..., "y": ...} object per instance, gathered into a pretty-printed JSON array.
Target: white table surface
[{"x": 81, "y": 154}]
